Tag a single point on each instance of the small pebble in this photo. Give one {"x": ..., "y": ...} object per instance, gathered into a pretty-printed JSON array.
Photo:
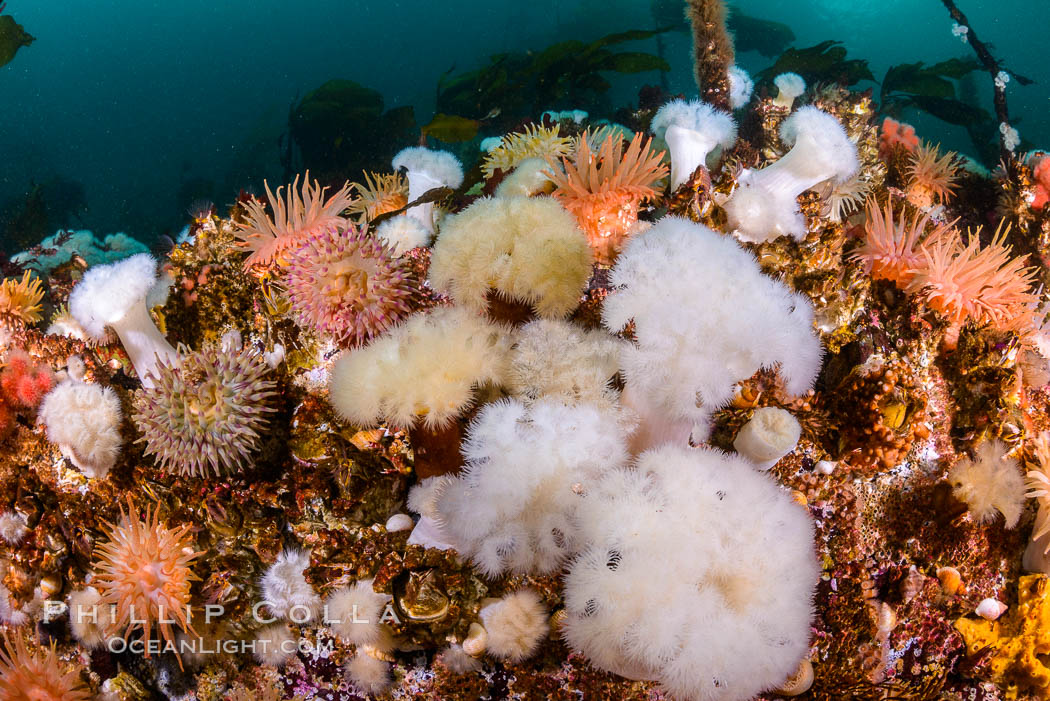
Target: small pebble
[
  {"x": 990, "y": 609},
  {"x": 399, "y": 522},
  {"x": 825, "y": 467}
]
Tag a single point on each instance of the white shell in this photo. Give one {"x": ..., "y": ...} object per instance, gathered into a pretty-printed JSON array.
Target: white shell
[
  {"x": 826, "y": 467},
  {"x": 799, "y": 682},
  {"x": 477, "y": 638},
  {"x": 399, "y": 522},
  {"x": 990, "y": 609},
  {"x": 771, "y": 434}
]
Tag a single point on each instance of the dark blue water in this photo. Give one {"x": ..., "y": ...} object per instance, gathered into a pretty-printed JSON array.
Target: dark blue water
[{"x": 146, "y": 103}]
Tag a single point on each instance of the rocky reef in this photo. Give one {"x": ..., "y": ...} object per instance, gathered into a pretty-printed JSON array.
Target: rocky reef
[{"x": 749, "y": 400}]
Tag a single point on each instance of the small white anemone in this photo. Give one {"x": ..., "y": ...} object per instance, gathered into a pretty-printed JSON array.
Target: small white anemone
[
  {"x": 790, "y": 86},
  {"x": 515, "y": 625},
  {"x": 286, "y": 591},
  {"x": 83, "y": 420},
  {"x": 764, "y": 205},
  {"x": 426, "y": 170},
  {"x": 404, "y": 233},
  {"x": 693, "y": 130},
  {"x": 740, "y": 87},
  {"x": 771, "y": 434},
  {"x": 115, "y": 296},
  {"x": 355, "y": 613}
]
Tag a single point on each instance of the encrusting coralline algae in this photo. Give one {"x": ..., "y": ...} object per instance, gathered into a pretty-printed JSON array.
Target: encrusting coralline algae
[{"x": 739, "y": 400}]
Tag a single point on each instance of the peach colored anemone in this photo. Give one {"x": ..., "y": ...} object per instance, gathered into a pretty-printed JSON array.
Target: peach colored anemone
[
  {"x": 380, "y": 194},
  {"x": 890, "y": 246},
  {"x": 20, "y": 299},
  {"x": 144, "y": 570},
  {"x": 37, "y": 675},
  {"x": 297, "y": 215},
  {"x": 931, "y": 177},
  {"x": 603, "y": 190},
  {"x": 970, "y": 283}
]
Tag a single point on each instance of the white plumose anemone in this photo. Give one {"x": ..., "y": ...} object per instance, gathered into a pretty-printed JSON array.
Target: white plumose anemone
[
  {"x": 692, "y": 130},
  {"x": 789, "y": 87},
  {"x": 83, "y": 420},
  {"x": 527, "y": 467},
  {"x": 426, "y": 170},
  {"x": 764, "y": 205},
  {"x": 114, "y": 296},
  {"x": 700, "y": 575},
  {"x": 740, "y": 87},
  {"x": 728, "y": 320}
]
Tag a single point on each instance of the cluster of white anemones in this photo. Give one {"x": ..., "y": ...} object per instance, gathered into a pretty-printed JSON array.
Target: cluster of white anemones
[{"x": 587, "y": 464}]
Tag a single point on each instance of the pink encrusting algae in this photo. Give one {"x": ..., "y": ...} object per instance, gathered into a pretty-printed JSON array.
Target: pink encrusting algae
[{"x": 896, "y": 135}]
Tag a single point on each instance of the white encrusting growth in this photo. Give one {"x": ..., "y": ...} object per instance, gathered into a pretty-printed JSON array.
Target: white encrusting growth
[
  {"x": 554, "y": 358},
  {"x": 771, "y": 434},
  {"x": 457, "y": 660},
  {"x": 990, "y": 483},
  {"x": 512, "y": 508},
  {"x": 425, "y": 170},
  {"x": 12, "y": 527},
  {"x": 728, "y": 321},
  {"x": 275, "y": 644},
  {"x": 90, "y": 620},
  {"x": 369, "y": 674},
  {"x": 699, "y": 574},
  {"x": 403, "y": 234},
  {"x": 424, "y": 370},
  {"x": 526, "y": 180},
  {"x": 422, "y": 499},
  {"x": 692, "y": 130},
  {"x": 114, "y": 296},
  {"x": 764, "y": 205},
  {"x": 355, "y": 613}
]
